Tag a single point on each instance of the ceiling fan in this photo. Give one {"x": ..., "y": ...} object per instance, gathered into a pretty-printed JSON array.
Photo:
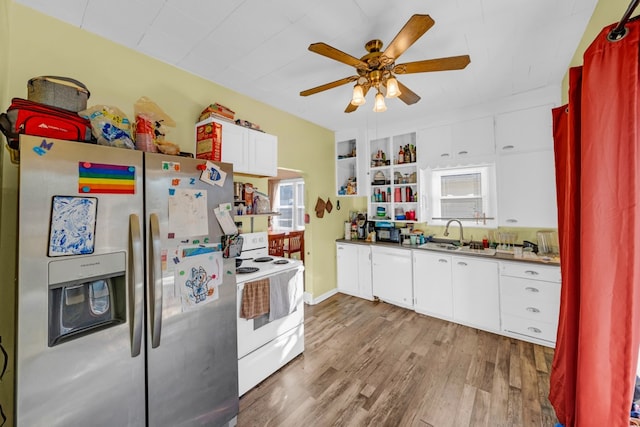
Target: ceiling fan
[{"x": 377, "y": 68}]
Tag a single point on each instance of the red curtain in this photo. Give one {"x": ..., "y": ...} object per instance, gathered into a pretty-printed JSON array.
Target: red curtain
[{"x": 597, "y": 154}]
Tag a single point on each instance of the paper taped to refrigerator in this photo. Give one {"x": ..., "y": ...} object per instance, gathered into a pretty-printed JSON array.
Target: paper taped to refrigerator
[
  {"x": 73, "y": 223},
  {"x": 213, "y": 175},
  {"x": 223, "y": 214},
  {"x": 199, "y": 278},
  {"x": 188, "y": 214}
]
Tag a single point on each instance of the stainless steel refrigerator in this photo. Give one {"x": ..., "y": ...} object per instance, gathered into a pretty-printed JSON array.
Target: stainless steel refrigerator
[{"x": 116, "y": 325}]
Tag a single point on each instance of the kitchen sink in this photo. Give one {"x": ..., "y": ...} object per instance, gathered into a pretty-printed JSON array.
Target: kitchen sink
[
  {"x": 439, "y": 246},
  {"x": 449, "y": 247},
  {"x": 485, "y": 251}
]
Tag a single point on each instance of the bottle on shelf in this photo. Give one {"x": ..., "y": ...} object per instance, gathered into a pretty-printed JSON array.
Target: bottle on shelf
[
  {"x": 401, "y": 155},
  {"x": 407, "y": 155}
]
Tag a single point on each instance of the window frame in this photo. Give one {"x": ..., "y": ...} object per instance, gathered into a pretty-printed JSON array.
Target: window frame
[
  {"x": 297, "y": 206},
  {"x": 488, "y": 194}
]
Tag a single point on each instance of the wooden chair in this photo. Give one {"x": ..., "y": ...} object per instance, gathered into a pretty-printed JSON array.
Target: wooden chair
[
  {"x": 295, "y": 244},
  {"x": 276, "y": 244}
]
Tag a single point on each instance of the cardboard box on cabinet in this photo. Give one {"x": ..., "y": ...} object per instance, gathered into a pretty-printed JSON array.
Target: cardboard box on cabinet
[{"x": 209, "y": 141}]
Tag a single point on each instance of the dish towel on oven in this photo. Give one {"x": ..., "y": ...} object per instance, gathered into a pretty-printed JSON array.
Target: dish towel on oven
[
  {"x": 255, "y": 299},
  {"x": 282, "y": 295}
]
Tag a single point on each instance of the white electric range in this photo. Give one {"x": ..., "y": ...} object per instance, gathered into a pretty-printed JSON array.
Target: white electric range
[{"x": 265, "y": 346}]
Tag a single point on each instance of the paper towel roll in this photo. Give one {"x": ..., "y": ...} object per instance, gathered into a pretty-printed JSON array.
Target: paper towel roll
[{"x": 347, "y": 231}]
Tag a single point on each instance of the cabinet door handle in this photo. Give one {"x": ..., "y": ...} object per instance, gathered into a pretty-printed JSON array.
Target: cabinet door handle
[
  {"x": 533, "y": 310},
  {"x": 534, "y": 330},
  {"x": 462, "y": 263},
  {"x": 512, "y": 220},
  {"x": 340, "y": 248},
  {"x": 508, "y": 147},
  {"x": 463, "y": 153},
  {"x": 531, "y": 272},
  {"x": 531, "y": 289},
  {"x": 444, "y": 155},
  {"x": 442, "y": 260}
]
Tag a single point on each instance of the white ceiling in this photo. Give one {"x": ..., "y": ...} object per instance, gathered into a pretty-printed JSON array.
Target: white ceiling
[{"x": 259, "y": 47}]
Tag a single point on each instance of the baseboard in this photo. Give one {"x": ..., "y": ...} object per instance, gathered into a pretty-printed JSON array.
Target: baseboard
[{"x": 307, "y": 297}]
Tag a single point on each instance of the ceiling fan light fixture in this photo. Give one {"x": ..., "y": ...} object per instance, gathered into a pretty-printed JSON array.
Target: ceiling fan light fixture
[
  {"x": 393, "y": 91},
  {"x": 358, "y": 96},
  {"x": 379, "y": 105}
]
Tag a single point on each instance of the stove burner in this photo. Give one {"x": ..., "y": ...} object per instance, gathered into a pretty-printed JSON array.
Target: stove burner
[
  {"x": 246, "y": 270},
  {"x": 281, "y": 261},
  {"x": 263, "y": 259}
]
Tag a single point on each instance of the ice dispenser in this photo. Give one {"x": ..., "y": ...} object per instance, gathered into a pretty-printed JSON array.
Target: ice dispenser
[{"x": 86, "y": 294}]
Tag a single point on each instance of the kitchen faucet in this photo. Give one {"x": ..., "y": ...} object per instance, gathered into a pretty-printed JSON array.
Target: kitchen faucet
[{"x": 446, "y": 230}]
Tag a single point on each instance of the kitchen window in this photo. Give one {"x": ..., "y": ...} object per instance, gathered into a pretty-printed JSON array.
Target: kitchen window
[
  {"x": 466, "y": 193},
  {"x": 289, "y": 201}
]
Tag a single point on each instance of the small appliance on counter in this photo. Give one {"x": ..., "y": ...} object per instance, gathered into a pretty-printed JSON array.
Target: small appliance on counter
[
  {"x": 362, "y": 226},
  {"x": 387, "y": 233}
]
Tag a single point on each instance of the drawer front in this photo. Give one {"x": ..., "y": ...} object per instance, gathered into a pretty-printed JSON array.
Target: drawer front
[
  {"x": 540, "y": 330},
  {"x": 533, "y": 309},
  {"x": 530, "y": 289},
  {"x": 530, "y": 271}
]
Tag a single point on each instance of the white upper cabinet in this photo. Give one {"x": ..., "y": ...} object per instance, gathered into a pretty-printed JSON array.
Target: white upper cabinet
[
  {"x": 473, "y": 138},
  {"x": 525, "y": 130},
  {"x": 251, "y": 152},
  {"x": 263, "y": 154},
  {"x": 527, "y": 190},
  {"x": 235, "y": 146},
  {"x": 435, "y": 145},
  {"x": 458, "y": 143}
]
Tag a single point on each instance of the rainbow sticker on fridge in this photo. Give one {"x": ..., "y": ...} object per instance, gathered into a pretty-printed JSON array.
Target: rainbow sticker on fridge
[{"x": 106, "y": 179}]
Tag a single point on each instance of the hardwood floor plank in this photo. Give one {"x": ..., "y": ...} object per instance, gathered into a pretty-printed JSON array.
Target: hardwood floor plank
[
  {"x": 465, "y": 406},
  {"x": 541, "y": 362},
  {"x": 532, "y": 413},
  {"x": 375, "y": 364},
  {"x": 515, "y": 375},
  {"x": 500, "y": 388},
  {"x": 514, "y": 411},
  {"x": 480, "y": 415}
]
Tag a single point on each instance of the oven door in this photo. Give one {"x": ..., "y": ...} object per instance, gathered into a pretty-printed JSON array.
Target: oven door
[{"x": 254, "y": 333}]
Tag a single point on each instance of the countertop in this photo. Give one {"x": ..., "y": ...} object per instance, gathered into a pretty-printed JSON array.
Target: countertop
[{"x": 498, "y": 256}]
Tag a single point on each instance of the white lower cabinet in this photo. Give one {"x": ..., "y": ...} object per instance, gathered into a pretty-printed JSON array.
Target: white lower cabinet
[
  {"x": 530, "y": 301},
  {"x": 392, "y": 275},
  {"x": 354, "y": 270},
  {"x": 476, "y": 298},
  {"x": 432, "y": 287},
  {"x": 516, "y": 299}
]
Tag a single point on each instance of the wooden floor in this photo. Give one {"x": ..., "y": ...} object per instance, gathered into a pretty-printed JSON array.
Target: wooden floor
[{"x": 374, "y": 364}]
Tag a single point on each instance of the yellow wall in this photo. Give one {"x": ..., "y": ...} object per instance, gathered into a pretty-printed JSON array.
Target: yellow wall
[
  {"x": 606, "y": 12},
  {"x": 118, "y": 76},
  {"x": 7, "y": 235}
]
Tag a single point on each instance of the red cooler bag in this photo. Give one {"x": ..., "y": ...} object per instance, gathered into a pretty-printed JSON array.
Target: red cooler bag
[{"x": 33, "y": 118}]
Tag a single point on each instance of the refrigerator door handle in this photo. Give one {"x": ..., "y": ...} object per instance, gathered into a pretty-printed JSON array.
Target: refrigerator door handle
[
  {"x": 136, "y": 283},
  {"x": 155, "y": 281}
]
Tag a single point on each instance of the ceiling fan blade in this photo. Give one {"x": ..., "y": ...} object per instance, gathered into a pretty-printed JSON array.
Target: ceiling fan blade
[
  {"x": 407, "y": 95},
  {"x": 351, "y": 108},
  {"x": 415, "y": 27},
  {"x": 338, "y": 55},
  {"x": 328, "y": 86},
  {"x": 439, "y": 64}
]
